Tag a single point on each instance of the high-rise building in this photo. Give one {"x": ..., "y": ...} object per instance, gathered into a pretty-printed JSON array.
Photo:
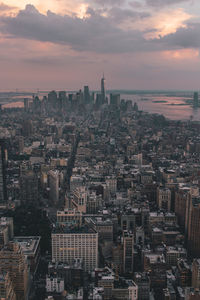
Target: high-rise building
[
  {"x": 196, "y": 99},
  {"x": 86, "y": 94},
  {"x": 128, "y": 251},
  {"x": 13, "y": 261},
  {"x": 54, "y": 186},
  {"x": 27, "y": 128},
  {"x": 143, "y": 282},
  {"x": 196, "y": 273},
  {"x": 69, "y": 217},
  {"x": 103, "y": 92},
  {"x": 181, "y": 199},
  {"x": 73, "y": 243},
  {"x": 194, "y": 226},
  {"x": 52, "y": 100},
  {"x": 26, "y": 104},
  {"x": 28, "y": 186},
  {"x": 7, "y": 221},
  {"x": 6, "y": 230},
  {"x": 6, "y": 287},
  {"x": 164, "y": 198},
  {"x": 114, "y": 100},
  {"x": 79, "y": 199},
  {"x": 3, "y": 190}
]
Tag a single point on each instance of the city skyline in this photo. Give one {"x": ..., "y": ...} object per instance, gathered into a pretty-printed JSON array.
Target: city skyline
[{"x": 143, "y": 44}]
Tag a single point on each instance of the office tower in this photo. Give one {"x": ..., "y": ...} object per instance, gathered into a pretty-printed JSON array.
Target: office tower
[
  {"x": 80, "y": 97},
  {"x": 54, "y": 186},
  {"x": 62, "y": 101},
  {"x": 98, "y": 101},
  {"x": 70, "y": 243},
  {"x": 196, "y": 99},
  {"x": 114, "y": 100},
  {"x": 3, "y": 189},
  {"x": 20, "y": 144},
  {"x": 6, "y": 287},
  {"x": 143, "y": 282},
  {"x": 196, "y": 273},
  {"x": 86, "y": 95},
  {"x": 27, "y": 128},
  {"x": 79, "y": 199},
  {"x": 184, "y": 274},
  {"x": 181, "y": 199},
  {"x": 52, "y": 100},
  {"x": 103, "y": 92},
  {"x": 164, "y": 198},
  {"x": 28, "y": 186},
  {"x": 26, "y": 104},
  {"x": 8, "y": 221},
  {"x": 13, "y": 261},
  {"x": 128, "y": 251},
  {"x": 4, "y": 238},
  {"x": 69, "y": 217},
  {"x": 117, "y": 258},
  {"x": 194, "y": 226}
]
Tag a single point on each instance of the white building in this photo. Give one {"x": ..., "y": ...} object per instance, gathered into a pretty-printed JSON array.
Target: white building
[
  {"x": 77, "y": 243},
  {"x": 54, "y": 284}
]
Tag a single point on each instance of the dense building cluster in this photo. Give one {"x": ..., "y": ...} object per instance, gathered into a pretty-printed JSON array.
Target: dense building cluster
[{"x": 120, "y": 190}]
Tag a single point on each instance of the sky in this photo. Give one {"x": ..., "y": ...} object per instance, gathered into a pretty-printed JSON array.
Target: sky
[{"x": 66, "y": 44}]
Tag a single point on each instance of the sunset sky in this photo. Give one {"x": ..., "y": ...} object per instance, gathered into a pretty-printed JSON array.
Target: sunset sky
[{"x": 65, "y": 44}]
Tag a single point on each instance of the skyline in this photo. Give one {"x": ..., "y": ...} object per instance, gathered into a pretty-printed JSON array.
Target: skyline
[{"x": 140, "y": 45}]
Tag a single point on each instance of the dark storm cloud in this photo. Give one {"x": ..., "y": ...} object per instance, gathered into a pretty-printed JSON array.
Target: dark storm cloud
[{"x": 95, "y": 33}]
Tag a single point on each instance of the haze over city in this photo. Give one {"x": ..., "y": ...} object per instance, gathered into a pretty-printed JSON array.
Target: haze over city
[{"x": 146, "y": 44}]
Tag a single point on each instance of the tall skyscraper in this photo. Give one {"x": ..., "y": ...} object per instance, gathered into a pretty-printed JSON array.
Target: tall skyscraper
[
  {"x": 86, "y": 94},
  {"x": 196, "y": 99},
  {"x": 194, "y": 227},
  {"x": 103, "y": 92},
  {"x": 3, "y": 190},
  {"x": 128, "y": 251}
]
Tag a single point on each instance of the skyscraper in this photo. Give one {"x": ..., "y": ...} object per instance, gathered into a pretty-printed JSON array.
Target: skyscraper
[
  {"x": 86, "y": 94},
  {"x": 103, "y": 93},
  {"x": 194, "y": 227},
  {"x": 196, "y": 99},
  {"x": 3, "y": 192},
  {"x": 13, "y": 261},
  {"x": 28, "y": 186}
]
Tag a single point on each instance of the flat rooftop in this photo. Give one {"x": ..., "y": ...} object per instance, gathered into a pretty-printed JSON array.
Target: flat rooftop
[{"x": 29, "y": 244}]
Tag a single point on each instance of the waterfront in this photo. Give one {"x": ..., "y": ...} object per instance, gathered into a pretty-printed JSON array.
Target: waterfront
[{"x": 173, "y": 105}]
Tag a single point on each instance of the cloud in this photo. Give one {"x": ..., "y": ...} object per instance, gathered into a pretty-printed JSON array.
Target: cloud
[
  {"x": 108, "y": 2},
  {"x": 161, "y": 3},
  {"x": 98, "y": 33},
  {"x": 95, "y": 33},
  {"x": 4, "y": 7},
  {"x": 184, "y": 38}
]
